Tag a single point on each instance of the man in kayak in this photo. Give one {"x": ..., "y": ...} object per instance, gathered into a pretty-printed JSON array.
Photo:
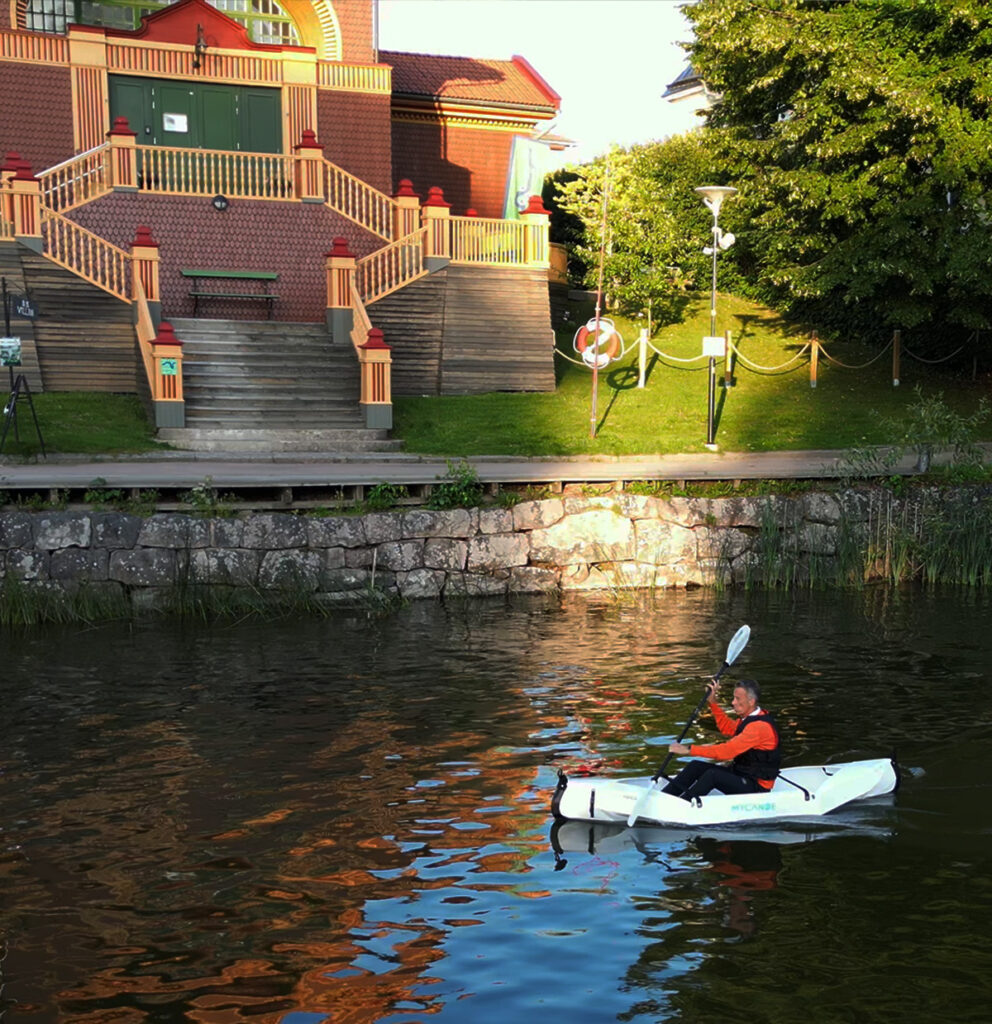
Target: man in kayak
[{"x": 753, "y": 749}]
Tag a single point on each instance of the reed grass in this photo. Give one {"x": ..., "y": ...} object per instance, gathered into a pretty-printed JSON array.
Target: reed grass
[{"x": 903, "y": 539}]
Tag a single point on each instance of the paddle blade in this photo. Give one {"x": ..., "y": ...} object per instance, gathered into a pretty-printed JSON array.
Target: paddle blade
[
  {"x": 737, "y": 643},
  {"x": 638, "y": 810}
]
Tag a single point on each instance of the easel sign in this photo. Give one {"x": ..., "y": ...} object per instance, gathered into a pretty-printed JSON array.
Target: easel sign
[
  {"x": 10, "y": 352},
  {"x": 10, "y": 356}
]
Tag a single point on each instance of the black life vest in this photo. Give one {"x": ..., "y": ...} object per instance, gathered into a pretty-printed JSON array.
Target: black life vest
[{"x": 758, "y": 764}]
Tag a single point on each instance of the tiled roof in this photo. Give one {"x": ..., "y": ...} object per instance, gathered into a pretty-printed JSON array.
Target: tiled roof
[{"x": 469, "y": 78}]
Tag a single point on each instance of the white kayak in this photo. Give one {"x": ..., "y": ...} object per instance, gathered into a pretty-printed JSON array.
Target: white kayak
[{"x": 803, "y": 792}]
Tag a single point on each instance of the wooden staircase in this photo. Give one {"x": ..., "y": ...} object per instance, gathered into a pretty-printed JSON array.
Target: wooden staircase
[
  {"x": 469, "y": 329},
  {"x": 254, "y": 385},
  {"x": 84, "y": 337}
]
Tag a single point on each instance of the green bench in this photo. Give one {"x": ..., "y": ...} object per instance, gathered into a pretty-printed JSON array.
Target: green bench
[{"x": 204, "y": 288}]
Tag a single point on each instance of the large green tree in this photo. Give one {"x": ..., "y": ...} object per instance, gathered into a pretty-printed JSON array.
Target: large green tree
[
  {"x": 859, "y": 133},
  {"x": 656, "y": 225}
]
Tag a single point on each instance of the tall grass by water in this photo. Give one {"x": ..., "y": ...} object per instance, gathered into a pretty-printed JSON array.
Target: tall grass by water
[{"x": 902, "y": 539}]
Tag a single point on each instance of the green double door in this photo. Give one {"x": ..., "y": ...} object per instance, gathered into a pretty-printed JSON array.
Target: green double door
[{"x": 198, "y": 115}]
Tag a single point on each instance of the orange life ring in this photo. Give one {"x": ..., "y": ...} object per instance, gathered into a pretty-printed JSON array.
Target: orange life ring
[{"x": 584, "y": 336}]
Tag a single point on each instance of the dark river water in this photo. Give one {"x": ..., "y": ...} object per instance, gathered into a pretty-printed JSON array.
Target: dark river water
[{"x": 346, "y": 820}]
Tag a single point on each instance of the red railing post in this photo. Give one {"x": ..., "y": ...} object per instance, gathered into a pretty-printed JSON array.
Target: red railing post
[
  {"x": 123, "y": 157},
  {"x": 309, "y": 167},
  {"x": 340, "y": 269},
  {"x": 437, "y": 216},
  {"x": 376, "y": 365}
]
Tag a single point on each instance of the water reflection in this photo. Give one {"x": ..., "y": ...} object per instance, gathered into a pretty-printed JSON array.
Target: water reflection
[{"x": 348, "y": 820}]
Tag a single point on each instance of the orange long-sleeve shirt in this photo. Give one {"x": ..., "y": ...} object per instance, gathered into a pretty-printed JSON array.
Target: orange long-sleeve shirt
[{"x": 754, "y": 736}]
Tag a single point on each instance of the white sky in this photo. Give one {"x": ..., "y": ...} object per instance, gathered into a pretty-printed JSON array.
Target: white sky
[{"x": 610, "y": 60}]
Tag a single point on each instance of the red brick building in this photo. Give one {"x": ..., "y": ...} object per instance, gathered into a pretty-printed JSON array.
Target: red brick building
[{"x": 252, "y": 134}]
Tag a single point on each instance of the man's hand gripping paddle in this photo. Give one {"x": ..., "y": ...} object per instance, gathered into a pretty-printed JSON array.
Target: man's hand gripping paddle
[{"x": 734, "y": 648}]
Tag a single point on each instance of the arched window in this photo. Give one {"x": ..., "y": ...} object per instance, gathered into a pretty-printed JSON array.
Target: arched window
[{"x": 265, "y": 19}]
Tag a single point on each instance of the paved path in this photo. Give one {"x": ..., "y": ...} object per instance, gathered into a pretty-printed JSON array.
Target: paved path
[{"x": 186, "y": 469}]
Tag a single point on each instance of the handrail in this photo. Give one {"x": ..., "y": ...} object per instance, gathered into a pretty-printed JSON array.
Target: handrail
[
  {"x": 390, "y": 268},
  {"x": 78, "y": 180},
  {"x": 360, "y": 323},
  {"x": 207, "y": 172},
  {"x": 359, "y": 201},
  {"x": 145, "y": 331},
  {"x": 494, "y": 242},
  {"x": 86, "y": 255}
]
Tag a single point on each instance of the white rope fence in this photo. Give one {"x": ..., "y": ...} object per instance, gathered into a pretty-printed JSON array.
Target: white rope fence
[{"x": 814, "y": 348}]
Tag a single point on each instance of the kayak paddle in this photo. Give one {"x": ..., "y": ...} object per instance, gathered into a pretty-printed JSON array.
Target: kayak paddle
[{"x": 734, "y": 648}]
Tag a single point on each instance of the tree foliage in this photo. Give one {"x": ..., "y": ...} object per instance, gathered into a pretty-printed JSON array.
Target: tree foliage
[
  {"x": 859, "y": 134},
  {"x": 656, "y": 225}
]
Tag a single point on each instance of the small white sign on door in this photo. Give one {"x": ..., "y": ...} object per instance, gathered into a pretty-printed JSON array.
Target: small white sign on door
[{"x": 175, "y": 122}]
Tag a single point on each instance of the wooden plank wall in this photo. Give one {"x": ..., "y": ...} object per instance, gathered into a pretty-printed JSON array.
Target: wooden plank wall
[
  {"x": 412, "y": 324},
  {"x": 85, "y": 337},
  {"x": 10, "y": 270},
  {"x": 497, "y": 331},
  {"x": 467, "y": 330}
]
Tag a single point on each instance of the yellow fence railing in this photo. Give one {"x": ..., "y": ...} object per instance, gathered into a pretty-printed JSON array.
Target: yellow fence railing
[
  {"x": 359, "y": 201},
  {"x": 145, "y": 331},
  {"x": 391, "y": 267},
  {"x": 208, "y": 172},
  {"x": 496, "y": 242},
  {"x": 86, "y": 255},
  {"x": 78, "y": 180}
]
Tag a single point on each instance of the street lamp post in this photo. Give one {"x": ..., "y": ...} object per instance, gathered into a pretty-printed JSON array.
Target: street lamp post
[{"x": 713, "y": 196}]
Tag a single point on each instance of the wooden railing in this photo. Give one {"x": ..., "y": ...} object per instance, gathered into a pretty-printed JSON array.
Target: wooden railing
[
  {"x": 145, "y": 330},
  {"x": 375, "y": 366},
  {"x": 86, "y": 255},
  {"x": 208, "y": 172},
  {"x": 495, "y": 242},
  {"x": 359, "y": 201},
  {"x": 391, "y": 267},
  {"x": 164, "y": 371},
  {"x": 77, "y": 180},
  {"x": 6, "y": 223}
]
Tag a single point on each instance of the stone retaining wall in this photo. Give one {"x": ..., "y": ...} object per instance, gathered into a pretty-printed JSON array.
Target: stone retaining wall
[{"x": 568, "y": 543}]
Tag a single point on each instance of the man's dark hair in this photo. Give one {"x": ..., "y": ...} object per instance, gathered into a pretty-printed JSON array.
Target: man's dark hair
[{"x": 751, "y": 687}]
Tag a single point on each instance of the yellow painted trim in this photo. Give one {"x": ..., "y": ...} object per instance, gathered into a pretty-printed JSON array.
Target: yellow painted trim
[
  {"x": 317, "y": 24},
  {"x": 480, "y": 123}
]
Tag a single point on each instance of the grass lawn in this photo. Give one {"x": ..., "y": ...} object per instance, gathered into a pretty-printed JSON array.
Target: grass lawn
[
  {"x": 763, "y": 411},
  {"x": 83, "y": 422}
]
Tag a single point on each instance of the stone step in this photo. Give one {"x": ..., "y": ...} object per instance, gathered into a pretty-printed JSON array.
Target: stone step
[{"x": 360, "y": 439}]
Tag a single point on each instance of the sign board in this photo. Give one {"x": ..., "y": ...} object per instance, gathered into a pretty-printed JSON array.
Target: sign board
[
  {"x": 10, "y": 351},
  {"x": 175, "y": 123},
  {"x": 22, "y": 306},
  {"x": 169, "y": 367},
  {"x": 714, "y": 347}
]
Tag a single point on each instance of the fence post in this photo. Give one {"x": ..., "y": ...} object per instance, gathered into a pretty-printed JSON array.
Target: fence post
[
  {"x": 376, "y": 399},
  {"x": 536, "y": 219},
  {"x": 896, "y": 356},
  {"x": 406, "y": 213},
  {"x": 145, "y": 267},
  {"x": 25, "y": 191},
  {"x": 11, "y": 165},
  {"x": 309, "y": 162},
  {"x": 814, "y": 359},
  {"x": 340, "y": 267},
  {"x": 167, "y": 349},
  {"x": 123, "y": 157},
  {"x": 642, "y": 356},
  {"x": 728, "y": 360},
  {"x": 437, "y": 216}
]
